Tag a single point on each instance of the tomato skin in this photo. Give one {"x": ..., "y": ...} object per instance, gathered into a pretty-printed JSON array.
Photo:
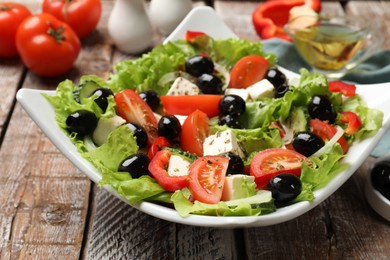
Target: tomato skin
[
  {"x": 247, "y": 71},
  {"x": 81, "y": 15},
  {"x": 44, "y": 53},
  {"x": 157, "y": 145},
  {"x": 11, "y": 16},
  {"x": 273, "y": 161},
  {"x": 353, "y": 121},
  {"x": 134, "y": 109},
  {"x": 185, "y": 105},
  {"x": 206, "y": 178},
  {"x": 157, "y": 168},
  {"x": 346, "y": 89},
  {"x": 326, "y": 132},
  {"x": 194, "y": 130}
]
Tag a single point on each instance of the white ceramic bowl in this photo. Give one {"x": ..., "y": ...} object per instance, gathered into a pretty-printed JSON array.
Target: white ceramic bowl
[
  {"x": 377, "y": 201},
  {"x": 206, "y": 20}
]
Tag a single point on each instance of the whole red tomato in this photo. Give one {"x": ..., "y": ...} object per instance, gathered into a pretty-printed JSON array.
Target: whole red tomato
[
  {"x": 47, "y": 46},
  {"x": 11, "y": 15},
  {"x": 81, "y": 15}
]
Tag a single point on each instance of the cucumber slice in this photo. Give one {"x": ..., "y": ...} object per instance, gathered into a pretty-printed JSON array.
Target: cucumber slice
[
  {"x": 104, "y": 127},
  {"x": 262, "y": 196},
  {"x": 87, "y": 88},
  {"x": 297, "y": 121}
]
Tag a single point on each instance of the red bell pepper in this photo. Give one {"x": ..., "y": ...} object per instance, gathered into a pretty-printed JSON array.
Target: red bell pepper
[
  {"x": 270, "y": 17},
  {"x": 346, "y": 89},
  {"x": 352, "y": 120}
]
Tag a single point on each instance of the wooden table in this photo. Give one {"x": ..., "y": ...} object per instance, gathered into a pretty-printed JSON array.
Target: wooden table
[{"x": 50, "y": 210}]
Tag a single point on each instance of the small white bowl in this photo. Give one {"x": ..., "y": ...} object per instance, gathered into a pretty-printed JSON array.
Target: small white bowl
[{"x": 377, "y": 201}]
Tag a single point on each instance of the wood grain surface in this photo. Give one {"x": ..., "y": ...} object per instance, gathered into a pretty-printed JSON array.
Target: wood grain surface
[{"x": 50, "y": 210}]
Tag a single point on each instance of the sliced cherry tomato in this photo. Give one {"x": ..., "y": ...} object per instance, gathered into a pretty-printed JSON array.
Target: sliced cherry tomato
[
  {"x": 247, "y": 71},
  {"x": 207, "y": 177},
  {"x": 193, "y": 132},
  {"x": 47, "y": 46},
  {"x": 185, "y": 105},
  {"x": 345, "y": 88},
  {"x": 158, "y": 145},
  {"x": 192, "y": 35},
  {"x": 81, "y": 15},
  {"x": 11, "y": 15},
  {"x": 158, "y": 169},
  {"x": 135, "y": 110},
  {"x": 273, "y": 161},
  {"x": 326, "y": 132},
  {"x": 353, "y": 121}
]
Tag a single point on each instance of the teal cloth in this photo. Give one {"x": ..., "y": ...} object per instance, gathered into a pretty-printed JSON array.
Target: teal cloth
[{"x": 375, "y": 69}]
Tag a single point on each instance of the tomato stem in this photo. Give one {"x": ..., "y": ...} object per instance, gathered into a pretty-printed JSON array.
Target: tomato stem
[
  {"x": 57, "y": 34},
  {"x": 4, "y": 8}
]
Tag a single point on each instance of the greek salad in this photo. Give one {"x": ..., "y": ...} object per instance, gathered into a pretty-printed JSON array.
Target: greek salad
[{"x": 213, "y": 127}]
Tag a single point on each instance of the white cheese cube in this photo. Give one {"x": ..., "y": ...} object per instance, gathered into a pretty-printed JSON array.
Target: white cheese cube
[
  {"x": 222, "y": 142},
  {"x": 233, "y": 187},
  {"x": 263, "y": 88},
  {"x": 183, "y": 87},
  {"x": 242, "y": 92},
  {"x": 181, "y": 118},
  {"x": 178, "y": 166}
]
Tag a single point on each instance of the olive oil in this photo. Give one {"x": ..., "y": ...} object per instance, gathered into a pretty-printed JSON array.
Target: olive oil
[{"x": 328, "y": 46}]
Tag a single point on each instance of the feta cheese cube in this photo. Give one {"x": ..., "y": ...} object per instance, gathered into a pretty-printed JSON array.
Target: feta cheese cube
[
  {"x": 263, "y": 88},
  {"x": 233, "y": 187},
  {"x": 242, "y": 92},
  {"x": 222, "y": 142},
  {"x": 178, "y": 166},
  {"x": 183, "y": 87}
]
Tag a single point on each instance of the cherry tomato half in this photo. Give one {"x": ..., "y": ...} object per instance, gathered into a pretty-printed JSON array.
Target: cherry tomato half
[
  {"x": 353, "y": 121},
  {"x": 134, "y": 109},
  {"x": 47, "y": 46},
  {"x": 185, "y": 105},
  {"x": 326, "y": 132},
  {"x": 207, "y": 177},
  {"x": 247, "y": 71},
  {"x": 193, "y": 132},
  {"x": 273, "y": 161},
  {"x": 81, "y": 15},
  {"x": 11, "y": 15},
  {"x": 157, "y": 168}
]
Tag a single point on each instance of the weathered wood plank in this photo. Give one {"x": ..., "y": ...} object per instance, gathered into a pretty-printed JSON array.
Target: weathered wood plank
[
  {"x": 376, "y": 13},
  {"x": 45, "y": 198}
]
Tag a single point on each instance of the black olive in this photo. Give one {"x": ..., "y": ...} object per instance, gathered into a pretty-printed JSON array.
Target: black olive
[
  {"x": 307, "y": 143},
  {"x": 231, "y": 105},
  {"x": 281, "y": 90},
  {"x": 236, "y": 165},
  {"x": 135, "y": 164},
  {"x": 140, "y": 134},
  {"x": 169, "y": 126},
  {"x": 380, "y": 178},
  {"x": 209, "y": 84},
  {"x": 320, "y": 107},
  {"x": 102, "y": 94},
  {"x": 151, "y": 98},
  {"x": 230, "y": 120},
  {"x": 197, "y": 65},
  {"x": 284, "y": 187},
  {"x": 276, "y": 77},
  {"x": 82, "y": 122}
]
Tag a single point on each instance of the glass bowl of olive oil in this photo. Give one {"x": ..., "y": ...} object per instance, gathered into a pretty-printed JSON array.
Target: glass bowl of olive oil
[{"x": 332, "y": 45}]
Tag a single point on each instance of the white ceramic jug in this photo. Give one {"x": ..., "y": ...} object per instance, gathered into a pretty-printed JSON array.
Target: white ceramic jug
[
  {"x": 129, "y": 26},
  {"x": 167, "y": 14}
]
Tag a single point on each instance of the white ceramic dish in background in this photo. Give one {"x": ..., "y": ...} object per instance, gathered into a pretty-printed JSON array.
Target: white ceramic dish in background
[
  {"x": 206, "y": 20},
  {"x": 376, "y": 200}
]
